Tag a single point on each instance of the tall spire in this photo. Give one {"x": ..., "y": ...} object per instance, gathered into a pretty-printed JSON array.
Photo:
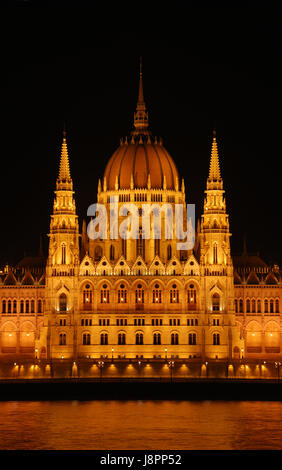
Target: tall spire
[
  {"x": 64, "y": 180},
  {"x": 214, "y": 162},
  {"x": 141, "y": 121},
  {"x": 214, "y": 179}
]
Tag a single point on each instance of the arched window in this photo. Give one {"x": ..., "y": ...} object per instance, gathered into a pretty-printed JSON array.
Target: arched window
[
  {"x": 192, "y": 338},
  {"x": 139, "y": 297},
  {"x": 157, "y": 294},
  {"x": 139, "y": 338},
  {"x": 277, "y": 306},
  {"x": 32, "y": 306},
  {"x": 174, "y": 338},
  {"x": 124, "y": 247},
  {"x": 87, "y": 297},
  {"x": 191, "y": 296},
  {"x": 105, "y": 294},
  {"x": 236, "y": 305},
  {"x": 174, "y": 294},
  {"x": 253, "y": 306},
  {"x": 157, "y": 246},
  {"x": 215, "y": 253},
  {"x": 215, "y": 302},
  {"x": 9, "y": 306},
  {"x": 27, "y": 306},
  {"x": 14, "y": 306},
  {"x": 157, "y": 338},
  {"x": 112, "y": 252},
  {"x": 241, "y": 306},
  {"x": 3, "y": 306},
  {"x": 63, "y": 254},
  {"x": 86, "y": 338},
  {"x": 122, "y": 294},
  {"x": 271, "y": 306},
  {"x": 259, "y": 306},
  {"x": 169, "y": 252},
  {"x": 216, "y": 338},
  {"x": 22, "y": 306},
  {"x": 248, "y": 306},
  {"x": 39, "y": 306},
  {"x": 98, "y": 253},
  {"x": 121, "y": 338},
  {"x": 63, "y": 303},
  {"x": 62, "y": 339},
  {"x": 265, "y": 306},
  {"x": 140, "y": 244},
  {"x": 104, "y": 338}
]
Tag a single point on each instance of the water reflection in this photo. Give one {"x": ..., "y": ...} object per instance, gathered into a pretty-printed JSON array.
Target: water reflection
[{"x": 140, "y": 424}]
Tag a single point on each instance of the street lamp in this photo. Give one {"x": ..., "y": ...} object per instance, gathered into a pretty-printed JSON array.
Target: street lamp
[
  {"x": 166, "y": 353},
  {"x": 171, "y": 366},
  {"x": 277, "y": 365},
  {"x": 112, "y": 354},
  {"x": 242, "y": 353},
  {"x": 101, "y": 365}
]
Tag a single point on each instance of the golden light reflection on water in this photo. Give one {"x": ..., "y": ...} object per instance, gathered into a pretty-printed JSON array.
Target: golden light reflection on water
[{"x": 113, "y": 425}]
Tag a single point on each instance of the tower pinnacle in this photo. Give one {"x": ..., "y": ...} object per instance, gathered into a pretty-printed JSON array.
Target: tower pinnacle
[
  {"x": 214, "y": 179},
  {"x": 64, "y": 180},
  {"x": 214, "y": 173},
  {"x": 141, "y": 121}
]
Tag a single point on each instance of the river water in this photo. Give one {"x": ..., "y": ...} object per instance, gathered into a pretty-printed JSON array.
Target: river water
[{"x": 145, "y": 425}]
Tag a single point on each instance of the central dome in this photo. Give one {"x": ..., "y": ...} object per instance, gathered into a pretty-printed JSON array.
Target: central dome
[
  {"x": 135, "y": 161},
  {"x": 138, "y": 160}
]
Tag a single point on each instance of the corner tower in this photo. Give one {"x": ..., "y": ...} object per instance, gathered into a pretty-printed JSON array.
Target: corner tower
[
  {"x": 62, "y": 269},
  {"x": 220, "y": 335}
]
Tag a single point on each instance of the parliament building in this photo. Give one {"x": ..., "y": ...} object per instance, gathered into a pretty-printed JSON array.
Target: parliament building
[{"x": 140, "y": 299}]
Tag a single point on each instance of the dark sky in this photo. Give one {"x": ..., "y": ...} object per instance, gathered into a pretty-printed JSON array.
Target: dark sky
[{"x": 201, "y": 66}]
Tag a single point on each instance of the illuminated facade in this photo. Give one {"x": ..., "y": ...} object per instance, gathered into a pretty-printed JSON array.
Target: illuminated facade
[{"x": 143, "y": 298}]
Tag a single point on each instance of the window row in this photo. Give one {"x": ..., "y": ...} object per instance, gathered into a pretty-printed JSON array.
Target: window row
[
  {"x": 257, "y": 306},
  {"x": 22, "y": 306},
  {"x": 141, "y": 322},
  {"x": 139, "y": 339},
  {"x": 139, "y": 295}
]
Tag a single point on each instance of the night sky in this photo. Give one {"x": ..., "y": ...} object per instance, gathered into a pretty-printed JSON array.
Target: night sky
[{"x": 202, "y": 67}]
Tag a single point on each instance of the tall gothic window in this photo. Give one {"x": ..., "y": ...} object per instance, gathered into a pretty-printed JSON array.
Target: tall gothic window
[
  {"x": 63, "y": 254},
  {"x": 259, "y": 306},
  {"x": 63, "y": 302},
  {"x": 157, "y": 246},
  {"x": 174, "y": 294},
  {"x": 104, "y": 338},
  {"x": 192, "y": 338},
  {"x": 86, "y": 339},
  {"x": 87, "y": 297},
  {"x": 124, "y": 247},
  {"x": 215, "y": 302},
  {"x": 216, "y": 339},
  {"x": 191, "y": 297},
  {"x": 62, "y": 339},
  {"x": 122, "y": 294},
  {"x": 105, "y": 294},
  {"x": 157, "y": 338},
  {"x": 140, "y": 245},
  {"x": 157, "y": 294},
  {"x": 139, "y": 338},
  {"x": 215, "y": 253},
  {"x": 112, "y": 252},
  {"x": 277, "y": 306},
  {"x": 169, "y": 252},
  {"x": 121, "y": 338},
  {"x": 174, "y": 338}
]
